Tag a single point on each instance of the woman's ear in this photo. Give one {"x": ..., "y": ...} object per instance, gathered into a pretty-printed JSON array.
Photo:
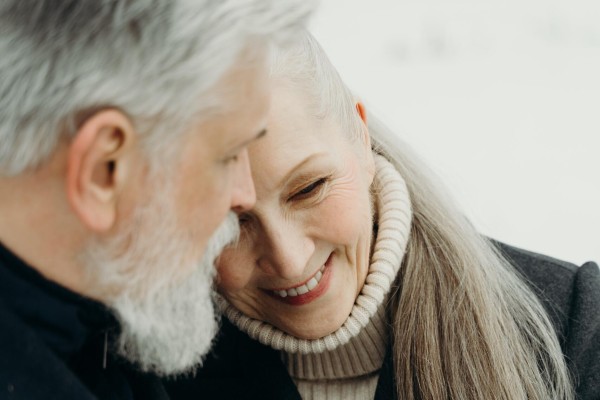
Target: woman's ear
[
  {"x": 362, "y": 111},
  {"x": 366, "y": 139},
  {"x": 97, "y": 167}
]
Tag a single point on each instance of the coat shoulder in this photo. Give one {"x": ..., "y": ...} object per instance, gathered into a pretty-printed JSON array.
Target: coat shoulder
[
  {"x": 551, "y": 279},
  {"x": 28, "y": 369},
  {"x": 571, "y": 296}
]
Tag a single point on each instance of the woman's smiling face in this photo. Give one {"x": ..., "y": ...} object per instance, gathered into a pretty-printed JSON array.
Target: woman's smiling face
[{"x": 303, "y": 253}]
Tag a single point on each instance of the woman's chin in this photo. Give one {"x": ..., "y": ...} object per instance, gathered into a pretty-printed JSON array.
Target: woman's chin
[{"x": 315, "y": 329}]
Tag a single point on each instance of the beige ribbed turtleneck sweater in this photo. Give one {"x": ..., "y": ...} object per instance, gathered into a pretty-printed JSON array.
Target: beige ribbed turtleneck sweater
[{"x": 346, "y": 363}]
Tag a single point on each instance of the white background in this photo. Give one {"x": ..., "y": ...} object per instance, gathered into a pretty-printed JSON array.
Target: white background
[{"x": 501, "y": 98}]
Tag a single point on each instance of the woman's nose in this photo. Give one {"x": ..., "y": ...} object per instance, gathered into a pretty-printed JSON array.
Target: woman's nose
[{"x": 286, "y": 253}]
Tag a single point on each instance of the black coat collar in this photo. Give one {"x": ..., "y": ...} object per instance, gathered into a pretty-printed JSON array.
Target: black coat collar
[{"x": 52, "y": 342}]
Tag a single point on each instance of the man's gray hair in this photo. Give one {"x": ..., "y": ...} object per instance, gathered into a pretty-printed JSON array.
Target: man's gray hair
[{"x": 154, "y": 60}]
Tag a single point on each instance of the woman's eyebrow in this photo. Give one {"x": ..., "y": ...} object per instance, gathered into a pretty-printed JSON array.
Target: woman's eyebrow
[{"x": 287, "y": 176}]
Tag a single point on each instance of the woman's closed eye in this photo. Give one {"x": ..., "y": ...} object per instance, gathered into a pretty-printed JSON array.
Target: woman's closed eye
[{"x": 309, "y": 190}]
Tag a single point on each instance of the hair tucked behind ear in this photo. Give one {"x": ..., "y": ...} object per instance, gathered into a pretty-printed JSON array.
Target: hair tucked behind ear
[{"x": 465, "y": 326}]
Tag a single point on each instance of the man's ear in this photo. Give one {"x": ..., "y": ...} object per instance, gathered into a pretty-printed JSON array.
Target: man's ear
[{"x": 97, "y": 167}]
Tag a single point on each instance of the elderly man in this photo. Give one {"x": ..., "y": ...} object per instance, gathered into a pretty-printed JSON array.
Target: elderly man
[{"x": 123, "y": 134}]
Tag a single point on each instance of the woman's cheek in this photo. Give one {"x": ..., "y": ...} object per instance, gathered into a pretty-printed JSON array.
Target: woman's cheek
[
  {"x": 344, "y": 216},
  {"x": 232, "y": 274}
]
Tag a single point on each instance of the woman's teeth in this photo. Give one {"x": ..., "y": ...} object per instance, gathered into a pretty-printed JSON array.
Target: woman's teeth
[{"x": 302, "y": 289}]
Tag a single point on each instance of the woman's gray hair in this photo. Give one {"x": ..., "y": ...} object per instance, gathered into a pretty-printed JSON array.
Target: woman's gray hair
[
  {"x": 465, "y": 325},
  {"x": 155, "y": 60},
  {"x": 305, "y": 66}
]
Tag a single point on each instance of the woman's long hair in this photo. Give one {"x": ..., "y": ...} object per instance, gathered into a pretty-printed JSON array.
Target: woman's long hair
[{"x": 465, "y": 325}]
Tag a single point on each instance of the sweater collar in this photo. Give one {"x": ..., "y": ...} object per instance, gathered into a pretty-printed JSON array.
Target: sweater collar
[{"x": 368, "y": 313}]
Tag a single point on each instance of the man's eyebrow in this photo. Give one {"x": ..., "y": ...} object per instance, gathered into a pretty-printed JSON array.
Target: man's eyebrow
[{"x": 245, "y": 143}]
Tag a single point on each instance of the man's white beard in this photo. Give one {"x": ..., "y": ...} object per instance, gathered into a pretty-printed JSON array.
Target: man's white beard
[{"x": 163, "y": 302}]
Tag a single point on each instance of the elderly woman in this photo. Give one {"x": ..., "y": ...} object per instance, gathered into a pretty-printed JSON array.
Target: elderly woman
[{"x": 355, "y": 277}]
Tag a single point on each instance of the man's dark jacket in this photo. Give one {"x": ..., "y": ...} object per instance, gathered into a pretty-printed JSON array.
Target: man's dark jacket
[
  {"x": 241, "y": 368},
  {"x": 54, "y": 344}
]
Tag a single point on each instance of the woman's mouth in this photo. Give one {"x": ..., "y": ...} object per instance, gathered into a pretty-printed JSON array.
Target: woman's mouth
[
  {"x": 302, "y": 289},
  {"x": 308, "y": 291}
]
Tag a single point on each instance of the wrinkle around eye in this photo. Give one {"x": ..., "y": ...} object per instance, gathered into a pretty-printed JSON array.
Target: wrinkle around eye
[{"x": 310, "y": 191}]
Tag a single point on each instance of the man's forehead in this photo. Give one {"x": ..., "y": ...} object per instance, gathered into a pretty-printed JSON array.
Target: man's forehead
[{"x": 239, "y": 118}]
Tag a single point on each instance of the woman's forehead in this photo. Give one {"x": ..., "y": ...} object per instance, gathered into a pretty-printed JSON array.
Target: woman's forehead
[
  {"x": 274, "y": 162},
  {"x": 295, "y": 137},
  {"x": 293, "y": 134}
]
